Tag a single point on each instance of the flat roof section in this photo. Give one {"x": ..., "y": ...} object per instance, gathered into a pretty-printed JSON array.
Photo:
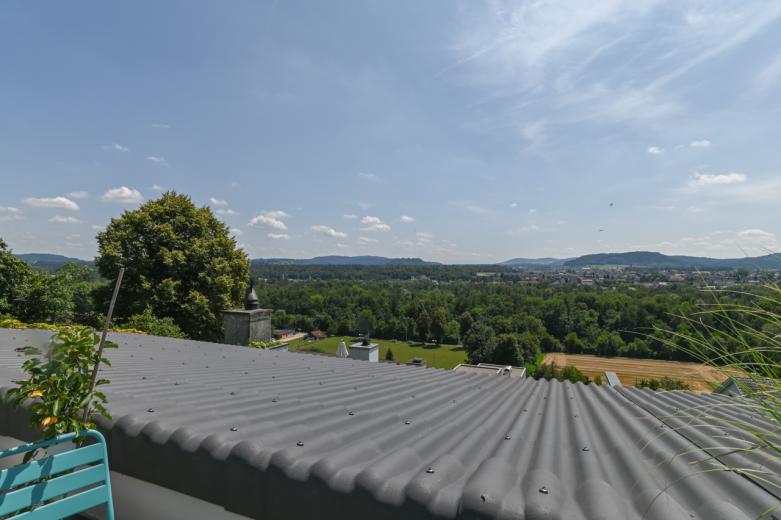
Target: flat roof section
[{"x": 275, "y": 435}]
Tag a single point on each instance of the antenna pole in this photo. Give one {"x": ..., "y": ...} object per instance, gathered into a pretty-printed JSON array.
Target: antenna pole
[{"x": 103, "y": 336}]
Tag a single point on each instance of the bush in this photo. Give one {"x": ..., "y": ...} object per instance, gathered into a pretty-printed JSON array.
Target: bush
[
  {"x": 389, "y": 355},
  {"x": 568, "y": 373},
  {"x": 665, "y": 383},
  {"x": 264, "y": 344},
  {"x": 151, "y": 324},
  {"x": 61, "y": 382}
]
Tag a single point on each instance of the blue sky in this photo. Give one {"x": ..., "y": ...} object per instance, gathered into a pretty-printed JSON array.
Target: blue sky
[{"x": 454, "y": 131}]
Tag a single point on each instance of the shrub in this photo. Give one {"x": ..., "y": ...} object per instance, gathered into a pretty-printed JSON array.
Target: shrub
[
  {"x": 664, "y": 383},
  {"x": 60, "y": 380},
  {"x": 567, "y": 373},
  {"x": 389, "y": 355},
  {"x": 151, "y": 324}
]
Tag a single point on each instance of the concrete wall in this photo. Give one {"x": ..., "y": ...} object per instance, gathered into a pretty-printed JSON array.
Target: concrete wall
[
  {"x": 242, "y": 327},
  {"x": 365, "y": 353}
]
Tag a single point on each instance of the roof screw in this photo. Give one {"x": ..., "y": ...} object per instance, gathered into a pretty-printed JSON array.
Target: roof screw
[
  {"x": 544, "y": 490},
  {"x": 151, "y": 410},
  {"x": 176, "y": 383},
  {"x": 586, "y": 448},
  {"x": 407, "y": 422},
  {"x": 350, "y": 413},
  {"x": 233, "y": 393},
  {"x": 430, "y": 470},
  {"x": 234, "y": 428},
  {"x": 143, "y": 377},
  {"x": 300, "y": 443},
  {"x": 274, "y": 400},
  {"x": 507, "y": 437}
]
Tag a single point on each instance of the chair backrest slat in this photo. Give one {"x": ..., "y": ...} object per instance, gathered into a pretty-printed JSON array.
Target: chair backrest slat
[
  {"x": 67, "y": 506},
  {"x": 56, "y": 486},
  {"x": 49, "y": 466},
  {"x": 49, "y": 489}
]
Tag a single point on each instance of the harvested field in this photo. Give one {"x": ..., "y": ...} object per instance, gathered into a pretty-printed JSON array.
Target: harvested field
[{"x": 700, "y": 377}]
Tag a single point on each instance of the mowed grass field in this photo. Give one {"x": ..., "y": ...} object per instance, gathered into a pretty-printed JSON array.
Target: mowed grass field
[
  {"x": 444, "y": 356},
  {"x": 701, "y": 378}
]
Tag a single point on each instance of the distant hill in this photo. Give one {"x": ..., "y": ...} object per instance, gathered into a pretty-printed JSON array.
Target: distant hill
[
  {"x": 535, "y": 262},
  {"x": 49, "y": 262},
  {"x": 342, "y": 260},
  {"x": 649, "y": 259}
]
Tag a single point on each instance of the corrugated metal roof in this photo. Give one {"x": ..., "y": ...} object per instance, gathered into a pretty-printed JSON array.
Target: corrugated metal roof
[{"x": 284, "y": 435}]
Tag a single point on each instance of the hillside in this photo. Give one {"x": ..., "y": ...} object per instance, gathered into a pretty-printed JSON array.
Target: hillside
[
  {"x": 652, "y": 260},
  {"x": 49, "y": 262},
  {"x": 342, "y": 260},
  {"x": 535, "y": 262}
]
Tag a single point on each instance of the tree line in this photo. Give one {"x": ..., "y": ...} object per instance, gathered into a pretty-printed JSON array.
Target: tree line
[{"x": 502, "y": 322}]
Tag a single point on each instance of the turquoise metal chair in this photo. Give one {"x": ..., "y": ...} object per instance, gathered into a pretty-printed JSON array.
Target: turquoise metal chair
[{"x": 77, "y": 480}]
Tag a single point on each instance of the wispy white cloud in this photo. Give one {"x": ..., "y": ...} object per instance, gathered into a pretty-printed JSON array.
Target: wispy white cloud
[
  {"x": 236, "y": 232},
  {"x": 363, "y": 205},
  {"x": 755, "y": 233},
  {"x": 228, "y": 211},
  {"x": 116, "y": 147},
  {"x": 161, "y": 126},
  {"x": 157, "y": 160},
  {"x": 218, "y": 202},
  {"x": 709, "y": 179},
  {"x": 407, "y": 219},
  {"x": 9, "y": 213},
  {"x": 524, "y": 230},
  {"x": 349, "y": 216},
  {"x": 64, "y": 220},
  {"x": 270, "y": 220},
  {"x": 97, "y": 227},
  {"x": 278, "y": 236},
  {"x": 655, "y": 150},
  {"x": 701, "y": 143},
  {"x": 368, "y": 176},
  {"x": 156, "y": 187},
  {"x": 558, "y": 58},
  {"x": 78, "y": 194},
  {"x": 768, "y": 76},
  {"x": 52, "y": 202},
  {"x": 367, "y": 240},
  {"x": 718, "y": 244},
  {"x": 374, "y": 224},
  {"x": 122, "y": 195},
  {"x": 328, "y": 231}
]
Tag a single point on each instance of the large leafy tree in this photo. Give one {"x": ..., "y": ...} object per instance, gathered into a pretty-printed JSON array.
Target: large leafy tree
[
  {"x": 17, "y": 280},
  {"x": 180, "y": 262}
]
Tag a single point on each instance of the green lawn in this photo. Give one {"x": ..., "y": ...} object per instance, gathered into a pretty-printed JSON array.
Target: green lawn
[{"x": 445, "y": 356}]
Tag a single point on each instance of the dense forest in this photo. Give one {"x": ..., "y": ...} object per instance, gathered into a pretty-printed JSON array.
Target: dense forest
[{"x": 618, "y": 320}]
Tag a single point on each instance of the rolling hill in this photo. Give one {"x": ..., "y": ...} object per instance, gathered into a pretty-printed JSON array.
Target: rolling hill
[
  {"x": 652, "y": 260},
  {"x": 342, "y": 260}
]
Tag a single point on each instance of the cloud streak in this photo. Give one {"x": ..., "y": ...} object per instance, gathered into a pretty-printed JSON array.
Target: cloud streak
[{"x": 52, "y": 202}]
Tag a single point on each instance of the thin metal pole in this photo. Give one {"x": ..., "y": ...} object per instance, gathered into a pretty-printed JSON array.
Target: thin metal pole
[{"x": 105, "y": 333}]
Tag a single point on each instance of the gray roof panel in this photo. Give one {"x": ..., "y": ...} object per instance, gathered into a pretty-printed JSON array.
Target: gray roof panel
[{"x": 283, "y": 435}]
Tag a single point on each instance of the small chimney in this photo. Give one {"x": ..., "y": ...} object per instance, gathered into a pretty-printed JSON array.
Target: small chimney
[
  {"x": 251, "y": 301},
  {"x": 365, "y": 351}
]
